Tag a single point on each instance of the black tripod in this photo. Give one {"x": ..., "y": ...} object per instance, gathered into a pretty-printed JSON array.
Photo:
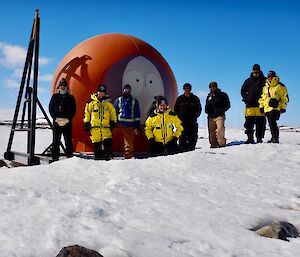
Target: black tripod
[{"x": 30, "y": 101}]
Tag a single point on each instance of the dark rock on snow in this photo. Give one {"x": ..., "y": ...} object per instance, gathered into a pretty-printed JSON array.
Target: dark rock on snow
[
  {"x": 281, "y": 230},
  {"x": 3, "y": 163},
  {"x": 77, "y": 251}
]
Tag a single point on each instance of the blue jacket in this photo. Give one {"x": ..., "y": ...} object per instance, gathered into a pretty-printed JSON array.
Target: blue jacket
[{"x": 128, "y": 111}]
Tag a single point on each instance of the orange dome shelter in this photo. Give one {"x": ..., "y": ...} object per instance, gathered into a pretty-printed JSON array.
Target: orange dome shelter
[{"x": 114, "y": 60}]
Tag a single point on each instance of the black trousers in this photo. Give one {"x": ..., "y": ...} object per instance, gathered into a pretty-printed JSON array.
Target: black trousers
[
  {"x": 260, "y": 126},
  {"x": 189, "y": 137},
  {"x": 158, "y": 149},
  {"x": 103, "y": 150},
  {"x": 66, "y": 131},
  {"x": 273, "y": 116}
]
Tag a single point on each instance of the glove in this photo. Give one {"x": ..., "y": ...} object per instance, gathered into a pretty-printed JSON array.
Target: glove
[
  {"x": 112, "y": 124},
  {"x": 282, "y": 111},
  {"x": 62, "y": 121},
  {"x": 273, "y": 103},
  {"x": 261, "y": 110},
  {"x": 175, "y": 139},
  {"x": 152, "y": 142},
  {"x": 87, "y": 126}
]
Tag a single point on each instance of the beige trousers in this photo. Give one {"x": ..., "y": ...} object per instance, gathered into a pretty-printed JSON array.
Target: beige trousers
[
  {"x": 216, "y": 131},
  {"x": 127, "y": 133}
]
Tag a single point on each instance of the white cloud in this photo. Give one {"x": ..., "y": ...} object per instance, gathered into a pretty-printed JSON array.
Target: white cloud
[
  {"x": 45, "y": 77},
  {"x": 43, "y": 90},
  {"x": 15, "y": 83},
  {"x": 17, "y": 73},
  {"x": 11, "y": 83},
  {"x": 44, "y": 60},
  {"x": 11, "y": 55}
]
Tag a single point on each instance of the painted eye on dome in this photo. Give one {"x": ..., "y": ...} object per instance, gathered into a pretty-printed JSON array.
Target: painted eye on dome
[
  {"x": 154, "y": 84},
  {"x": 136, "y": 80}
]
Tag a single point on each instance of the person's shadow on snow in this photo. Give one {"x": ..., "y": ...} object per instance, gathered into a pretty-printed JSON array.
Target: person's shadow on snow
[{"x": 233, "y": 143}]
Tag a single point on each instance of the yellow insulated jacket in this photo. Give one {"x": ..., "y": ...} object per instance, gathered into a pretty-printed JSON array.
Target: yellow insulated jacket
[
  {"x": 100, "y": 113},
  {"x": 274, "y": 96},
  {"x": 163, "y": 127}
]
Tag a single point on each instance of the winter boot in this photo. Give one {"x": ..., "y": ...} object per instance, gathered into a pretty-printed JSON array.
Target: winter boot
[
  {"x": 259, "y": 140},
  {"x": 250, "y": 135},
  {"x": 98, "y": 152},
  {"x": 273, "y": 140},
  {"x": 250, "y": 140}
]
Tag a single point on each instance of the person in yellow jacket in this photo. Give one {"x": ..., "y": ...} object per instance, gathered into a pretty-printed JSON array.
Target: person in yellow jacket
[
  {"x": 162, "y": 129},
  {"x": 99, "y": 118},
  {"x": 273, "y": 102}
]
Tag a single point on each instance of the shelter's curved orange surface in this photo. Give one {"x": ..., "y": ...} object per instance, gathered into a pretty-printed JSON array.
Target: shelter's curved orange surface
[{"x": 114, "y": 60}]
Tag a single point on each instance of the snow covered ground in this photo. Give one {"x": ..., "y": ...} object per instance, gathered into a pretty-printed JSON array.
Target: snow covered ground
[{"x": 201, "y": 203}]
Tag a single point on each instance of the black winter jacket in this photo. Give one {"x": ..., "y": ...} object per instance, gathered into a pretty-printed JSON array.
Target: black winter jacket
[
  {"x": 62, "y": 106},
  {"x": 188, "y": 109},
  {"x": 217, "y": 104},
  {"x": 252, "y": 89}
]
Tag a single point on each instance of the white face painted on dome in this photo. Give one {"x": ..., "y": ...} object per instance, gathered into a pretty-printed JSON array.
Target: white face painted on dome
[{"x": 145, "y": 82}]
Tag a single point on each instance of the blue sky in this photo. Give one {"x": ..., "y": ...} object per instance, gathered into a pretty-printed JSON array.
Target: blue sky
[{"x": 202, "y": 41}]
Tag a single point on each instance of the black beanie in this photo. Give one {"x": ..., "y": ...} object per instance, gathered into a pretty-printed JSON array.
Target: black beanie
[
  {"x": 213, "y": 84},
  {"x": 271, "y": 73},
  {"x": 187, "y": 85},
  {"x": 127, "y": 87},
  {"x": 161, "y": 100},
  {"x": 256, "y": 67},
  {"x": 101, "y": 88},
  {"x": 63, "y": 82}
]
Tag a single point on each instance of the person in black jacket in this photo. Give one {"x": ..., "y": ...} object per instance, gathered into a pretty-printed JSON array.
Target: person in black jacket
[
  {"x": 217, "y": 103},
  {"x": 62, "y": 108},
  {"x": 251, "y": 91},
  {"x": 153, "y": 106},
  {"x": 188, "y": 109}
]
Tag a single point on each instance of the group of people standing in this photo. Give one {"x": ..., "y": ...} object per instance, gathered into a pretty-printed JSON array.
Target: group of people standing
[
  {"x": 264, "y": 98},
  {"x": 168, "y": 131}
]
